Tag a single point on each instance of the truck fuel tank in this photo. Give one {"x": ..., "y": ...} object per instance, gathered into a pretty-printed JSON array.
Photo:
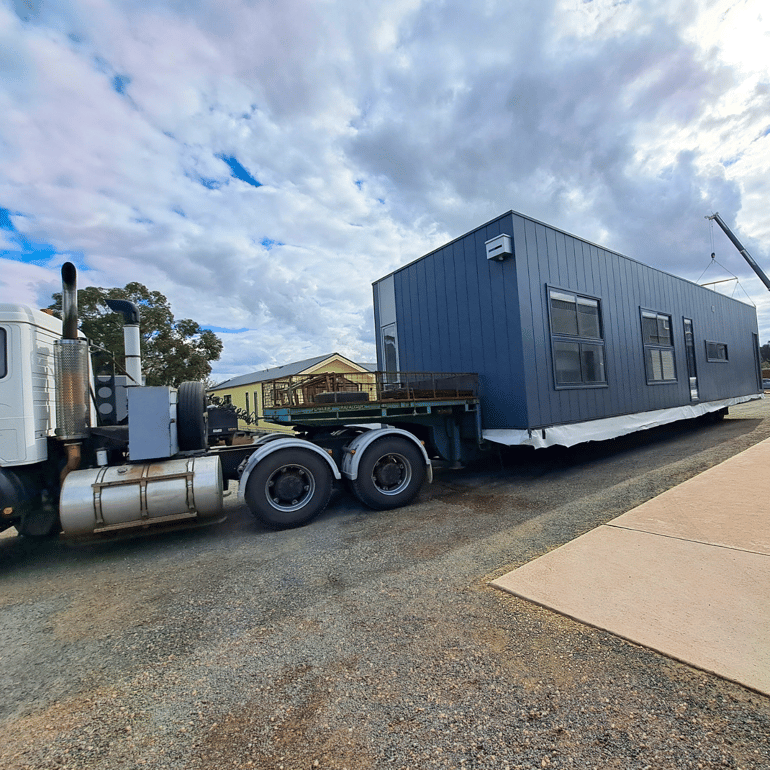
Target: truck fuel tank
[{"x": 117, "y": 497}]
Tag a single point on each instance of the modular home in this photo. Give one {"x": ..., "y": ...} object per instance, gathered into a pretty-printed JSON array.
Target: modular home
[{"x": 571, "y": 341}]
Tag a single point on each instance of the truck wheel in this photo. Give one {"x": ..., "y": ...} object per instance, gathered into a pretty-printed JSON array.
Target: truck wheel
[
  {"x": 40, "y": 522},
  {"x": 390, "y": 474},
  {"x": 191, "y": 417},
  {"x": 288, "y": 488}
]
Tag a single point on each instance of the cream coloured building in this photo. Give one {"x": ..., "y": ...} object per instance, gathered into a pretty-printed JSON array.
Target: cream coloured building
[{"x": 246, "y": 391}]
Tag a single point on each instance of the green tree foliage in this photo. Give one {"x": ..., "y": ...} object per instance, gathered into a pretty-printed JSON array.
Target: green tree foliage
[
  {"x": 172, "y": 351},
  {"x": 765, "y": 351}
]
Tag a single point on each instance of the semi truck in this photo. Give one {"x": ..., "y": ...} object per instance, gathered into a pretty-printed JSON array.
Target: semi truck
[
  {"x": 566, "y": 342},
  {"x": 86, "y": 448}
]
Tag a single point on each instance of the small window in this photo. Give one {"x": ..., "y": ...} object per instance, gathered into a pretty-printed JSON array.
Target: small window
[
  {"x": 227, "y": 399},
  {"x": 658, "y": 349},
  {"x": 576, "y": 340},
  {"x": 248, "y": 407},
  {"x": 716, "y": 351},
  {"x": 3, "y": 354}
]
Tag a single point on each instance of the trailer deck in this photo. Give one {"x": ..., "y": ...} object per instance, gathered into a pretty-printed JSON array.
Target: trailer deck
[{"x": 316, "y": 400}]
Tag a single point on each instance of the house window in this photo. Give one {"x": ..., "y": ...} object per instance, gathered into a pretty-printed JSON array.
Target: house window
[
  {"x": 658, "y": 347},
  {"x": 227, "y": 399},
  {"x": 716, "y": 351},
  {"x": 248, "y": 408},
  {"x": 576, "y": 340}
]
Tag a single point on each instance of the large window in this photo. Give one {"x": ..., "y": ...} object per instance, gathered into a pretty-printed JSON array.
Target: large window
[
  {"x": 576, "y": 339},
  {"x": 658, "y": 347}
]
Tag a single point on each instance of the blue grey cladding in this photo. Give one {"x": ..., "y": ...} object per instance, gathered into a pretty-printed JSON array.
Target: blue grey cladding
[{"x": 458, "y": 311}]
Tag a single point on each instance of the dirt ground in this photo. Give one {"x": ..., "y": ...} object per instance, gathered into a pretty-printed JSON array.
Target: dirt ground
[{"x": 365, "y": 640}]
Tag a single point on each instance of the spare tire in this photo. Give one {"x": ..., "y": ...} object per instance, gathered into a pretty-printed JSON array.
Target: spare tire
[
  {"x": 191, "y": 417},
  {"x": 342, "y": 397}
]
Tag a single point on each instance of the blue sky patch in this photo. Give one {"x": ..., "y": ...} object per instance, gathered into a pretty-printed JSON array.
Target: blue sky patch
[
  {"x": 224, "y": 330},
  {"x": 120, "y": 82},
  {"x": 32, "y": 252},
  {"x": 238, "y": 171}
]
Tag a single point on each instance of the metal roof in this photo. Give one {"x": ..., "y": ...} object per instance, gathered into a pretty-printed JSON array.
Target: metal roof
[{"x": 298, "y": 367}]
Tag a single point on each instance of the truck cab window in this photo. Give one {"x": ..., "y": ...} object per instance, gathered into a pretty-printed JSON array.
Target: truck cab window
[{"x": 3, "y": 353}]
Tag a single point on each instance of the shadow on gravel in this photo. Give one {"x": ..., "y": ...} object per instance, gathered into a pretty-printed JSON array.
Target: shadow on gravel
[{"x": 655, "y": 447}]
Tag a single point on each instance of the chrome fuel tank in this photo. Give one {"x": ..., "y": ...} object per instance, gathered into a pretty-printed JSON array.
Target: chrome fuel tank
[{"x": 116, "y": 497}]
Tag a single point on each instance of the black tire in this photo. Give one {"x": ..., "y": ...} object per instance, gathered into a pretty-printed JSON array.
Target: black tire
[
  {"x": 390, "y": 474},
  {"x": 344, "y": 397},
  {"x": 41, "y": 522},
  {"x": 191, "y": 417},
  {"x": 289, "y": 488}
]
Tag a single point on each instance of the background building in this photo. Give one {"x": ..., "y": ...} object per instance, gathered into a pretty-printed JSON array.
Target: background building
[{"x": 245, "y": 391}]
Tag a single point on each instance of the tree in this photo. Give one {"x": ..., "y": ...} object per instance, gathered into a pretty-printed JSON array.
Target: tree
[
  {"x": 765, "y": 351},
  {"x": 172, "y": 351}
]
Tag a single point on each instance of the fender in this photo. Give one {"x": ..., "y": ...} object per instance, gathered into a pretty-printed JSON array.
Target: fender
[
  {"x": 276, "y": 445},
  {"x": 356, "y": 448}
]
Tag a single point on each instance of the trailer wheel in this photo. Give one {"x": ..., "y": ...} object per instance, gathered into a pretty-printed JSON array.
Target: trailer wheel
[
  {"x": 390, "y": 474},
  {"x": 288, "y": 488},
  {"x": 192, "y": 417}
]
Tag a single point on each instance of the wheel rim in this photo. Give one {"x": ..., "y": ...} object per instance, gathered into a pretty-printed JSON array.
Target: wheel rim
[
  {"x": 290, "y": 488},
  {"x": 391, "y": 474}
]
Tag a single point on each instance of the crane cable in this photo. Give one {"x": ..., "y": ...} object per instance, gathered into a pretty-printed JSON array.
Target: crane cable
[{"x": 715, "y": 261}]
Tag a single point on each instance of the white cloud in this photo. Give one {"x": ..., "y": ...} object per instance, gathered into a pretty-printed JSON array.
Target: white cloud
[{"x": 377, "y": 131}]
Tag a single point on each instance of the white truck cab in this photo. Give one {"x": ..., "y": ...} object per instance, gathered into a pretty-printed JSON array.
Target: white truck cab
[{"x": 27, "y": 385}]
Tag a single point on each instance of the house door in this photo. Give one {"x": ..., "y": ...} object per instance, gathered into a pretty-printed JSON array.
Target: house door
[
  {"x": 757, "y": 360},
  {"x": 689, "y": 347}
]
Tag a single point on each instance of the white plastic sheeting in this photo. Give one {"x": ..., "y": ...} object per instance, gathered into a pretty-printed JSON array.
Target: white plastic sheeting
[{"x": 609, "y": 427}]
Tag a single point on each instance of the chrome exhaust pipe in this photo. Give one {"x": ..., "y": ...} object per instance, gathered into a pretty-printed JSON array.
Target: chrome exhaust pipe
[
  {"x": 131, "y": 337},
  {"x": 71, "y": 366},
  {"x": 69, "y": 301}
]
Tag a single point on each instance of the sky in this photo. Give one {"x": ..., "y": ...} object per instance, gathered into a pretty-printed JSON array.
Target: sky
[{"x": 261, "y": 163}]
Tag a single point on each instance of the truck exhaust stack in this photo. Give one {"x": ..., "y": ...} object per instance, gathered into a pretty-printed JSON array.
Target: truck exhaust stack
[
  {"x": 131, "y": 338},
  {"x": 71, "y": 366}
]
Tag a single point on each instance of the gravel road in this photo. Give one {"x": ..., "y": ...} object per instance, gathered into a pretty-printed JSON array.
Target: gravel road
[{"x": 365, "y": 640}]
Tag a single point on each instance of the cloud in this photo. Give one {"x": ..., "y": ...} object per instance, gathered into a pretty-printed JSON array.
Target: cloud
[{"x": 262, "y": 163}]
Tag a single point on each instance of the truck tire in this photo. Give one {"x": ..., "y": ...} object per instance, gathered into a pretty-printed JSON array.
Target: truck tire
[
  {"x": 390, "y": 474},
  {"x": 288, "y": 488},
  {"x": 40, "y": 522},
  {"x": 344, "y": 397},
  {"x": 191, "y": 417}
]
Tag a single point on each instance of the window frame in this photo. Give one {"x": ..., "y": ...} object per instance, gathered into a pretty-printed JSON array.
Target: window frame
[
  {"x": 713, "y": 360},
  {"x": 582, "y": 341},
  {"x": 3, "y": 353},
  {"x": 658, "y": 347}
]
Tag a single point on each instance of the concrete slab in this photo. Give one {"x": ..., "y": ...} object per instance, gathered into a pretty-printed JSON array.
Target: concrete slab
[
  {"x": 686, "y": 574},
  {"x": 728, "y": 505}
]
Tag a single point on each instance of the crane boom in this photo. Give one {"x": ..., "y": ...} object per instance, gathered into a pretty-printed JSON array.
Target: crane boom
[{"x": 738, "y": 245}]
